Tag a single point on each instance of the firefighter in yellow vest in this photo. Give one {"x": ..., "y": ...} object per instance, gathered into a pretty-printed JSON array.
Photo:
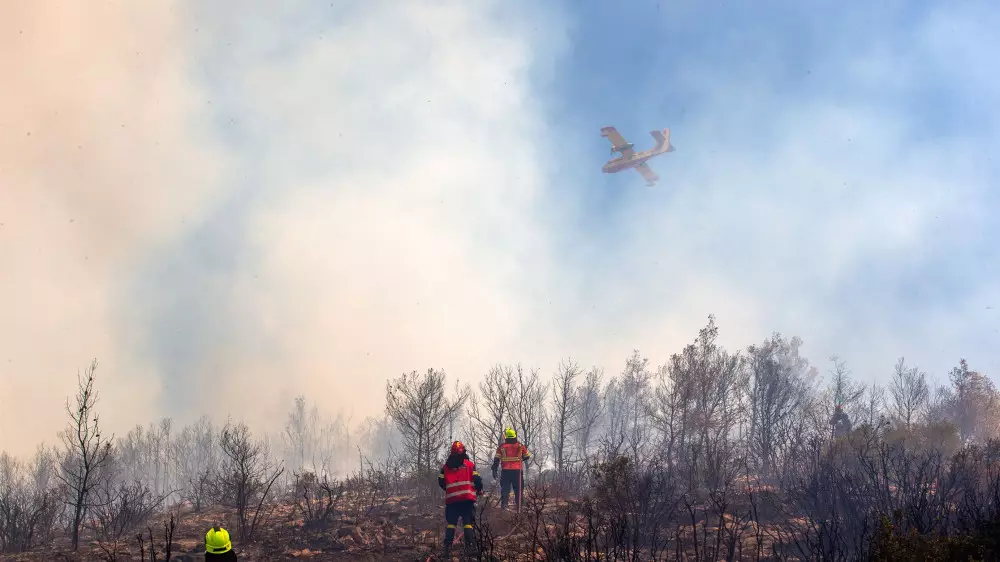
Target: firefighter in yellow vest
[{"x": 510, "y": 458}]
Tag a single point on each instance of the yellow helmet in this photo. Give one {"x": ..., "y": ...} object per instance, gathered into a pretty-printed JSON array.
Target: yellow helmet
[
  {"x": 509, "y": 433},
  {"x": 217, "y": 541}
]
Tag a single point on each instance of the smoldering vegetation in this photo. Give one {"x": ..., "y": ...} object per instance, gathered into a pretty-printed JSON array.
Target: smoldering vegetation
[{"x": 751, "y": 454}]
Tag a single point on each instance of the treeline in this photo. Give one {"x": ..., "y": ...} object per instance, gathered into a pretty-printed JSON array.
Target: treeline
[
  {"x": 715, "y": 454},
  {"x": 107, "y": 488},
  {"x": 766, "y": 404}
]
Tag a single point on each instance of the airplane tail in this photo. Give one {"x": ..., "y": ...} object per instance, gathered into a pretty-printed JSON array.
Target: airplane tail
[{"x": 662, "y": 140}]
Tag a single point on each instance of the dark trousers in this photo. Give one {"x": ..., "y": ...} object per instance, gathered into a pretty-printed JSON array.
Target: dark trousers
[
  {"x": 510, "y": 479},
  {"x": 464, "y": 510}
]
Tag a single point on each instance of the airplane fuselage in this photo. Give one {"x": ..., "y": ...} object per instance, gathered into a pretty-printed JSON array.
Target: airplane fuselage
[{"x": 621, "y": 163}]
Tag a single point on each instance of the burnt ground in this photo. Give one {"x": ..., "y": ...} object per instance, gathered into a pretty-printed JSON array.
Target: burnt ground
[
  {"x": 372, "y": 526},
  {"x": 398, "y": 529}
]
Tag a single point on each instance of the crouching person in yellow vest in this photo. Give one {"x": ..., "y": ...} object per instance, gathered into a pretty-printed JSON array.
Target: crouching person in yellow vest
[
  {"x": 510, "y": 458},
  {"x": 218, "y": 546},
  {"x": 462, "y": 485}
]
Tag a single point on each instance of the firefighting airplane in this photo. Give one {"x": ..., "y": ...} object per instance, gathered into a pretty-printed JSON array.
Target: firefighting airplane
[{"x": 633, "y": 159}]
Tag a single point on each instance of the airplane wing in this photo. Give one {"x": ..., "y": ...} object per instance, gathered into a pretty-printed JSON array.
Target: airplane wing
[
  {"x": 647, "y": 173},
  {"x": 617, "y": 140}
]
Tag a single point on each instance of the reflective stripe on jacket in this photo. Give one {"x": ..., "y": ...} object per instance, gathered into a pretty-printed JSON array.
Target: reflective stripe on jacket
[{"x": 458, "y": 483}]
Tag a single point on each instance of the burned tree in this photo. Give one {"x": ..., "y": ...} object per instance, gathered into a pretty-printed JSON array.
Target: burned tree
[
  {"x": 28, "y": 507},
  {"x": 589, "y": 413},
  {"x": 490, "y": 408},
  {"x": 873, "y": 413},
  {"x": 565, "y": 405},
  {"x": 196, "y": 458},
  {"x": 119, "y": 508},
  {"x": 418, "y": 406},
  {"x": 627, "y": 403},
  {"x": 972, "y": 403},
  {"x": 146, "y": 454},
  {"x": 331, "y": 442},
  {"x": 778, "y": 393},
  {"x": 909, "y": 393},
  {"x": 527, "y": 412},
  {"x": 315, "y": 443},
  {"x": 297, "y": 435},
  {"x": 87, "y": 451},
  {"x": 698, "y": 404},
  {"x": 246, "y": 477},
  {"x": 846, "y": 394}
]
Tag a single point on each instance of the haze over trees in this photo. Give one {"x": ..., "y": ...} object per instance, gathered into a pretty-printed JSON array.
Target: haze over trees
[{"x": 752, "y": 453}]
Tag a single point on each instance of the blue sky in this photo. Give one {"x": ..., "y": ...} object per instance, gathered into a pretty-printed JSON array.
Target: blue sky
[
  {"x": 313, "y": 197},
  {"x": 724, "y": 75}
]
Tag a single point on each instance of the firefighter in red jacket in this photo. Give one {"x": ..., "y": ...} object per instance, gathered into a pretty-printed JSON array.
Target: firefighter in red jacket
[
  {"x": 510, "y": 457},
  {"x": 461, "y": 484}
]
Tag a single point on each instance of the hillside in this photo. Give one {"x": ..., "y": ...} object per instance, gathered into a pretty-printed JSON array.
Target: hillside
[
  {"x": 626, "y": 514},
  {"x": 716, "y": 455}
]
